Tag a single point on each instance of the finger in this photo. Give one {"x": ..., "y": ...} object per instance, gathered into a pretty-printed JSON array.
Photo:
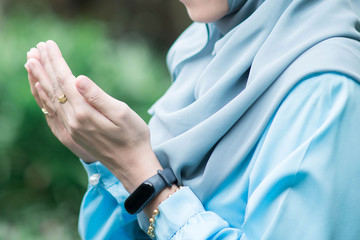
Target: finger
[
  {"x": 33, "y": 53},
  {"x": 100, "y": 100},
  {"x": 58, "y": 128},
  {"x": 53, "y": 120},
  {"x": 33, "y": 90},
  {"x": 58, "y": 63},
  {"x": 59, "y": 72},
  {"x": 45, "y": 101},
  {"x": 49, "y": 100},
  {"x": 59, "y": 117},
  {"x": 44, "y": 58},
  {"x": 39, "y": 73},
  {"x": 45, "y": 62},
  {"x": 32, "y": 80}
]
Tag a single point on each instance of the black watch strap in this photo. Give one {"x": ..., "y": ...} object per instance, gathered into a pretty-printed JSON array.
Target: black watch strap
[{"x": 150, "y": 188}]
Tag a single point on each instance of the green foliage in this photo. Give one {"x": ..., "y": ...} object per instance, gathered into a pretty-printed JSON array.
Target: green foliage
[{"x": 41, "y": 182}]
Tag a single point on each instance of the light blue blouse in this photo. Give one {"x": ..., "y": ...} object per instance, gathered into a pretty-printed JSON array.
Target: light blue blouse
[{"x": 299, "y": 182}]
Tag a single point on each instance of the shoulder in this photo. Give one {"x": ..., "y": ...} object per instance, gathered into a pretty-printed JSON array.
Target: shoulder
[
  {"x": 316, "y": 123},
  {"x": 317, "y": 107},
  {"x": 322, "y": 93}
]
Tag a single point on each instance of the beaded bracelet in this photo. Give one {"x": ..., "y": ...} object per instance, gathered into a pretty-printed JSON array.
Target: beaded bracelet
[{"x": 151, "y": 228}]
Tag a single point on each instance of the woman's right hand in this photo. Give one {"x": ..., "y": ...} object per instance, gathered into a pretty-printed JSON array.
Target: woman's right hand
[{"x": 52, "y": 119}]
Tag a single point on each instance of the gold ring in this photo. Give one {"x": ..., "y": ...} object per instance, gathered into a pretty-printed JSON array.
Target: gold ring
[
  {"x": 62, "y": 99},
  {"x": 45, "y": 111}
]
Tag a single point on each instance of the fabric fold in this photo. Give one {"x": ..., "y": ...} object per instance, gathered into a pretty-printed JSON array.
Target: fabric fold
[{"x": 212, "y": 116}]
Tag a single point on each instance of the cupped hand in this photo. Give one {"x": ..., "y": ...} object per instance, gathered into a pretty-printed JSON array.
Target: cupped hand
[
  {"x": 104, "y": 127},
  {"x": 52, "y": 119}
]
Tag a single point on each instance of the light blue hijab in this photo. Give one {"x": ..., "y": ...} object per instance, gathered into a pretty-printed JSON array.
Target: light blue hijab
[{"x": 230, "y": 76}]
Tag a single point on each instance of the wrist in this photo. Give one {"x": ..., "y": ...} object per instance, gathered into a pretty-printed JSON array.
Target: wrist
[
  {"x": 162, "y": 196},
  {"x": 134, "y": 167},
  {"x": 149, "y": 190}
]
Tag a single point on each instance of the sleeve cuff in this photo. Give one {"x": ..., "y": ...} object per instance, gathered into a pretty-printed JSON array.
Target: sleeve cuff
[
  {"x": 171, "y": 218},
  {"x": 100, "y": 176}
]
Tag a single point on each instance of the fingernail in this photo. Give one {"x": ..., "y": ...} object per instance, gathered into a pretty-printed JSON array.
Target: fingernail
[{"x": 27, "y": 67}]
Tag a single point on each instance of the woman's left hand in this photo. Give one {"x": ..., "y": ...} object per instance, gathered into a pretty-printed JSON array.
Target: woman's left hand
[{"x": 105, "y": 127}]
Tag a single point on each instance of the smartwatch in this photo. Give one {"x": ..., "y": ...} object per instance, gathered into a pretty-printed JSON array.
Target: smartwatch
[{"x": 149, "y": 189}]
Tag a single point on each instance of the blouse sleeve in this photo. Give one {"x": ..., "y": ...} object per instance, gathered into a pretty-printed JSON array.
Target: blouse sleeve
[{"x": 102, "y": 213}]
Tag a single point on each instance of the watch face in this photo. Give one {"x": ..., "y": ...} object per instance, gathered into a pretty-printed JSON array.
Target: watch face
[{"x": 143, "y": 194}]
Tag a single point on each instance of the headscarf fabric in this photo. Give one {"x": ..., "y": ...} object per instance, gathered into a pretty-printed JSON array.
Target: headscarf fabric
[{"x": 231, "y": 75}]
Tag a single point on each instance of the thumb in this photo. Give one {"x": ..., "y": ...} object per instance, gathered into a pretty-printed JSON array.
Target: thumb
[{"x": 99, "y": 99}]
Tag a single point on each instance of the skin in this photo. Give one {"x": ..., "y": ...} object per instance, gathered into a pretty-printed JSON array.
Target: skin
[
  {"x": 206, "y": 10},
  {"x": 87, "y": 123},
  {"x": 92, "y": 124}
]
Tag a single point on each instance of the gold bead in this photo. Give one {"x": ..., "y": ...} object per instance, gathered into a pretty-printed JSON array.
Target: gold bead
[
  {"x": 151, "y": 220},
  {"x": 156, "y": 212},
  {"x": 151, "y": 229},
  {"x": 152, "y": 235}
]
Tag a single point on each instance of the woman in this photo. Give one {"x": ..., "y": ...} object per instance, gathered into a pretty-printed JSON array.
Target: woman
[{"x": 260, "y": 127}]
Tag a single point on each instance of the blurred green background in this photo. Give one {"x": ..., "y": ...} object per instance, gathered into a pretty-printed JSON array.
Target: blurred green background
[{"x": 121, "y": 45}]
